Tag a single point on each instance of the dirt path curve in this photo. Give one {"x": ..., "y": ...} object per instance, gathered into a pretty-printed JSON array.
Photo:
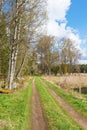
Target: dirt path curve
[
  {"x": 37, "y": 119},
  {"x": 76, "y": 116}
]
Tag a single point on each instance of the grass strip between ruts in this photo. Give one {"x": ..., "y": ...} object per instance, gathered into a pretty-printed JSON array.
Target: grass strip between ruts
[{"x": 56, "y": 117}]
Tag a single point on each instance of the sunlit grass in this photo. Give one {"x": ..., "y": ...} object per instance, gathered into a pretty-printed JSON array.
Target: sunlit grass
[
  {"x": 57, "y": 118},
  {"x": 77, "y": 103},
  {"x": 15, "y": 109}
]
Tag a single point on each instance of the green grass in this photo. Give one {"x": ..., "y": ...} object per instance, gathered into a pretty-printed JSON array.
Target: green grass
[
  {"x": 15, "y": 109},
  {"x": 55, "y": 115},
  {"x": 76, "y": 103}
]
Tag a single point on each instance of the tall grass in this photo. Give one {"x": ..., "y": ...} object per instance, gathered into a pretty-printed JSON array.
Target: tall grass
[{"x": 69, "y": 81}]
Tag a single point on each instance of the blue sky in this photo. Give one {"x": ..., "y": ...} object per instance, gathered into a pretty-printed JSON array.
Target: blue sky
[
  {"x": 6, "y": 6},
  {"x": 77, "y": 16},
  {"x": 68, "y": 18}
]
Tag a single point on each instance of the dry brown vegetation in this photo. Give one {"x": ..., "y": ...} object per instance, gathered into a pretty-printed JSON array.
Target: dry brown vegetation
[{"x": 69, "y": 81}]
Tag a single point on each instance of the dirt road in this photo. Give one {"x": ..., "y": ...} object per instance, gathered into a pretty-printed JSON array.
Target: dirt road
[
  {"x": 76, "y": 116},
  {"x": 37, "y": 119}
]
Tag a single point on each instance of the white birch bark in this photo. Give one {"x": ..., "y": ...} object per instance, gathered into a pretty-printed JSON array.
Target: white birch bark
[
  {"x": 11, "y": 73},
  {"x": 13, "y": 61},
  {"x": 14, "y": 52}
]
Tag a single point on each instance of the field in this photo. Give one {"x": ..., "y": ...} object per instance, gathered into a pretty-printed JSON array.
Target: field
[
  {"x": 45, "y": 103},
  {"x": 71, "y": 83}
]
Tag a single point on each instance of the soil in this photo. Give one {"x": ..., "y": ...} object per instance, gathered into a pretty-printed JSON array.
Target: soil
[
  {"x": 75, "y": 115},
  {"x": 37, "y": 118}
]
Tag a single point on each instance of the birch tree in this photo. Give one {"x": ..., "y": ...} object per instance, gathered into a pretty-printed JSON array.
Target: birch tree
[
  {"x": 47, "y": 53},
  {"x": 14, "y": 36},
  {"x": 69, "y": 55},
  {"x": 36, "y": 18},
  {"x": 24, "y": 21}
]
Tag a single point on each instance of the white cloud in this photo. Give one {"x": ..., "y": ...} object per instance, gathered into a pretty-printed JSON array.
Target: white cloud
[
  {"x": 57, "y": 10},
  {"x": 57, "y": 23},
  {"x": 84, "y": 52},
  {"x": 83, "y": 61}
]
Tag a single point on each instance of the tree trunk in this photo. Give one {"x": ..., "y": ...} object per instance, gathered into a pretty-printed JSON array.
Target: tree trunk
[
  {"x": 14, "y": 50},
  {"x": 21, "y": 66},
  {"x": 11, "y": 70}
]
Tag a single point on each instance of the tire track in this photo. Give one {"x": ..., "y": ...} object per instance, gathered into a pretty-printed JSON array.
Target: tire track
[
  {"x": 37, "y": 118},
  {"x": 82, "y": 121}
]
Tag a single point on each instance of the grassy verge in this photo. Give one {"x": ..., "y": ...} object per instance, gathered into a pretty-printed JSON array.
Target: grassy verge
[
  {"x": 76, "y": 103},
  {"x": 56, "y": 117},
  {"x": 15, "y": 109}
]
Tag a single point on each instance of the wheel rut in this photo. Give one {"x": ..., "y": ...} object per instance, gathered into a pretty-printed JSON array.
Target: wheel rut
[
  {"x": 37, "y": 118},
  {"x": 75, "y": 115}
]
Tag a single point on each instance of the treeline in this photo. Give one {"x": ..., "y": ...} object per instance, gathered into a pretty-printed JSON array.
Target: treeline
[
  {"x": 57, "y": 56},
  {"x": 83, "y": 68},
  {"x": 66, "y": 69},
  {"x": 51, "y": 56}
]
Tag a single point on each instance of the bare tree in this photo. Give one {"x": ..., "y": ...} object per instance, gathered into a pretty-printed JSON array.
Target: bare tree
[{"x": 69, "y": 55}]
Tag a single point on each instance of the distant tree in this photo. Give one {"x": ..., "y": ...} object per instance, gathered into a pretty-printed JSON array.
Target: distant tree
[
  {"x": 30, "y": 65},
  {"x": 83, "y": 68},
  {"x": 69, "y": 55},
  {"x": 55, "y": 69},
  {"x": 47, "y": 53}
]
